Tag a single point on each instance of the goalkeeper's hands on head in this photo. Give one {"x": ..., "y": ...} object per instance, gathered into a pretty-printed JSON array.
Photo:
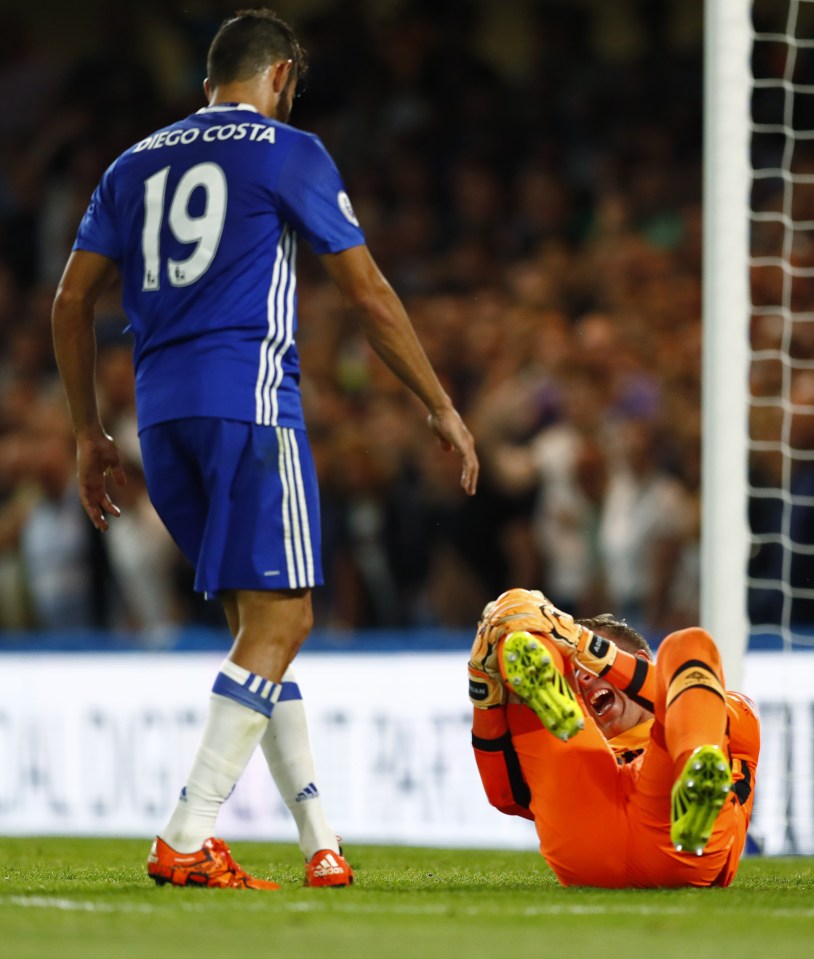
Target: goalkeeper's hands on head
[
  {"x": 485, "y": 690},
  {"x": 530, "y": 610},
  {"x": 513, "y": 610},
  {"x": 485, "y": 685},
  {"x": 586, "y": 650}
]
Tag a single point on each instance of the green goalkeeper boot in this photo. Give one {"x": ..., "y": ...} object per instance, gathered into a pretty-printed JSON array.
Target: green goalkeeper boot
[
  {"x": 698, "y": 795},
  {"x": 528, "y": 671}
]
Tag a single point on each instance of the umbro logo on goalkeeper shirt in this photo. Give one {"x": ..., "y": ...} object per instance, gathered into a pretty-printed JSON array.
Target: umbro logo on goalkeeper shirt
[
  {"x": 327, "y": 866},
  {"x": 310, "y": 792}
]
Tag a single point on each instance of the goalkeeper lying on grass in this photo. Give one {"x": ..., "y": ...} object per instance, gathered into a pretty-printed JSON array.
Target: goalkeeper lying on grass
[{"x": 635, "y": 773}]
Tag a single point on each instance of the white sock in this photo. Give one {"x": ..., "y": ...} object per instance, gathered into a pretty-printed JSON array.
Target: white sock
[
  {"x": 230, "y": 736},
  {"x": 287, "y": 748}
]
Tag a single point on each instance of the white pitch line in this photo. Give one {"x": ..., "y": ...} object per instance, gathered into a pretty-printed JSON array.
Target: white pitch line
[
  {"x": 71, "y": 905},
  {"x": 360, "y": 908}
]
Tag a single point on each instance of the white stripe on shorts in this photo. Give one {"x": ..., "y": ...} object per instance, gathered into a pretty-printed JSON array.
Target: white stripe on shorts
[
  {"x": 296, "y": 527},
  {"x": 305, "y": 525}
]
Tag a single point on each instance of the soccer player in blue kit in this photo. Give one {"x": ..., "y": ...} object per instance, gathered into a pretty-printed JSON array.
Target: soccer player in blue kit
[{"x": 201, "y": 222}]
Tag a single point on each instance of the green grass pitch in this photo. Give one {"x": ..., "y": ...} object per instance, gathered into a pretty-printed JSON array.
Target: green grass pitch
[{"x": 90, "y": 898}]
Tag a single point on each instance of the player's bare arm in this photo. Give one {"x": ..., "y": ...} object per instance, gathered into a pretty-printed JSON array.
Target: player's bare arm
[
  {"x": 86, "y": 276},
  {"x": 391, "y": 334}
]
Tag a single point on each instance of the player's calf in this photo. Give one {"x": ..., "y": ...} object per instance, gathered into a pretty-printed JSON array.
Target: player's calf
[
  {"x": 698, "y": 795},
  {"x": 528, "y": 671}
]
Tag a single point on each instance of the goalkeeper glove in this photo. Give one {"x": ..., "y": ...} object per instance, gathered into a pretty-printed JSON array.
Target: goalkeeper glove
[
  {"x": 485, "y": 691},
  {"x": 513, "y": 610},
  {"x": 485, "y": 685},
  {"x": 516, "y": 609},
  {"x": 590, "y": 652}
]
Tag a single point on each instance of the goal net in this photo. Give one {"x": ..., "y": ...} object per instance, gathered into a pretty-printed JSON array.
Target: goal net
[
  {"x": 781, "y": 434},
  {"x": 758, "y": 487}
]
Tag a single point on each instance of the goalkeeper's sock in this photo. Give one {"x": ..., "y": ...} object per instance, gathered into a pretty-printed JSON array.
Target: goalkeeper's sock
[
  {"x": 239, "y": 710},
  {"x": 690, "y": 679},
  {"x": 287, "y": 748},
  {"x": 691, "y": 716}
]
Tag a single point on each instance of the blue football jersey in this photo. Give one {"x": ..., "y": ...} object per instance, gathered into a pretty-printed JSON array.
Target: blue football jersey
[{"x": 202, "y": 219}]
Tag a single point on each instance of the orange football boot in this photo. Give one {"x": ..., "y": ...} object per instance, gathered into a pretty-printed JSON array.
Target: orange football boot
[
  {"x": 212, "y": 865},
  {"x": 328, "y": 868}
]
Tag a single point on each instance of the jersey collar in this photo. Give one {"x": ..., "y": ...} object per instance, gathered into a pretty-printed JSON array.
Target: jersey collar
[
  {"x": 632, "y": 739},
  {"x": 223, "y": 107}
]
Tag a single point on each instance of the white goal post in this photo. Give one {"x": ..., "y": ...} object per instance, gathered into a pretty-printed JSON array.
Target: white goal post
[{"x": 726, "y": 312}]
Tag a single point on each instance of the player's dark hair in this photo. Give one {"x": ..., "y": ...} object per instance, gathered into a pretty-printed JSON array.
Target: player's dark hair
[
  {"x": 248, "y": 43},
  {"x": 625, "y": 636}
]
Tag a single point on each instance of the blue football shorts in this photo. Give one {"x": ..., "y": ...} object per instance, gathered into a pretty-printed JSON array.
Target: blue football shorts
[{"x": 240, "y": 500}]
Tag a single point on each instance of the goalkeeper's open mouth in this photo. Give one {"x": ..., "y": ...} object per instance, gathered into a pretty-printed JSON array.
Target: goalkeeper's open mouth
[
  {"x": 607, "y": 706},
  {"x": 601, "y": 701},
  {"x": 611, "y": 710}
]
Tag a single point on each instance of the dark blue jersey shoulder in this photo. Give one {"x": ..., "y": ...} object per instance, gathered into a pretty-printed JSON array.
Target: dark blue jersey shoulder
[{"x": 203, "y": 218}]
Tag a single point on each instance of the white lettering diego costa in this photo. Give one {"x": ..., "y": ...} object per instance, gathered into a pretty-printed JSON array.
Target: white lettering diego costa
[{"x": 254, "y": 132}]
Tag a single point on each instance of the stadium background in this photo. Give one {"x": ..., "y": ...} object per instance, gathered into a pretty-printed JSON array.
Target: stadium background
[{"x": 529, "y": 178}]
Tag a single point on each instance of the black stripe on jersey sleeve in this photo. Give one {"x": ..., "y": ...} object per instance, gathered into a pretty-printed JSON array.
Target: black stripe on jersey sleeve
[{"x": 521, "y": 793}]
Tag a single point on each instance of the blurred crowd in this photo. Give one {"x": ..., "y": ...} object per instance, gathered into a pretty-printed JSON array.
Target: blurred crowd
[{"x": 529, "y": 178}]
